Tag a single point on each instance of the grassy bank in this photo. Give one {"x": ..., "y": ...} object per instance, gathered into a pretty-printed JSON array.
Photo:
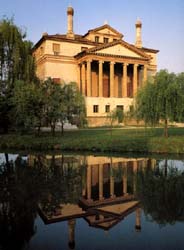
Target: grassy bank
[{"x": 121, "y": 140}]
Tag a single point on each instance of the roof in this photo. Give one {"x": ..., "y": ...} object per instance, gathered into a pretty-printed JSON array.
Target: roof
[
  {"x": 105, "y": 26},
  {"x": 107, "y": 45},
  {"x": 150, "y": 50},
  {"x": 63, "y": 37},
  {"x": 97, "y": 46}
]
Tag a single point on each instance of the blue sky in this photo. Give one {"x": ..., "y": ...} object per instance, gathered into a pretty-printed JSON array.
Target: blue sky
[{"x": 163, "y": 22}]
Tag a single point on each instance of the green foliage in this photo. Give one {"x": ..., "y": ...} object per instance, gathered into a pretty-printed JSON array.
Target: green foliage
[
  {"x": 145, "y": 104},
  {"x": 16, "y": 63},
  {"x": 53, "y": 95},
  {"x": 28, "y": 106},
  {"x": 74, "y": 104},
  {"x": 45, "y": 103},
  {"x": 115, "y": 115},
  {"x": 160, "y": 191},
  {"x": 63, "y": 103},
  {"x": 161, "y": 99}
]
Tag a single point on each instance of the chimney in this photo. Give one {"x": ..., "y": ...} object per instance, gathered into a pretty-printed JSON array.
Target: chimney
[
  {"x": 138, "y": 42},
  {"x": 70, "y": 13}
]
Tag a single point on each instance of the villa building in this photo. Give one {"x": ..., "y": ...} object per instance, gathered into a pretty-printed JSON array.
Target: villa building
[{"x": 107, "y": 69}]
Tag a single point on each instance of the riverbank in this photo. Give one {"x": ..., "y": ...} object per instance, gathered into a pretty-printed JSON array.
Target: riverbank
[{"x": 100, "y": 140}]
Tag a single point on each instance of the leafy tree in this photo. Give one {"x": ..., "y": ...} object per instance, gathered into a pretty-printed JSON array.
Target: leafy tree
[
  {"x": 16, "y": 63},
  {"x": 53, "y": 95},
  {"x": 74, "y": 105},
  {"x": 36, "y": 104},
  {"x": 160, "y": 99},
  {"x": 28, "y": 106},
  {"x": 180, "y": 83},
  {"x": 115, "y": 115}
]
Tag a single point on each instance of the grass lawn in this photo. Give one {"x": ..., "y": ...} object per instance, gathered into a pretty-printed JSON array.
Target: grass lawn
[{"x": 100, "y": 140}]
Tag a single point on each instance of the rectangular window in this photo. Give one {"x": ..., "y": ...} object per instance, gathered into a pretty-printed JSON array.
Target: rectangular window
[
  {"x": 96, "y": 39},
  {"x": 107, "y": 108},
  {"x": 120, "y": 107},
  {"x": 95, "y": 108},
  {"x": 56, "y": 48},
  {"x": 114, "y": 40},
  {"x": 106, "y": 40}
]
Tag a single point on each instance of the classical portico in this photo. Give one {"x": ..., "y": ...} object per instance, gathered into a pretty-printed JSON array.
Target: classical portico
[{"x": 102, "y": 78}]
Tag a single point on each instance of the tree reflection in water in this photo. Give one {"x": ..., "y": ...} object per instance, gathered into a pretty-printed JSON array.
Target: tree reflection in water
[
  {"x": 55, "y": 180},
  {"x": 18, "y": 203},
  {"x": 161, "y": 193}
]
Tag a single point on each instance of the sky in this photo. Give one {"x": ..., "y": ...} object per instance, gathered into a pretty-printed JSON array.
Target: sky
[{"x": 162, "y": 22}]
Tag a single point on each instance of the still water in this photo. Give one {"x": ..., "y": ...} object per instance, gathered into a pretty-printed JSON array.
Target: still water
[{"x": 87, "y": 202}]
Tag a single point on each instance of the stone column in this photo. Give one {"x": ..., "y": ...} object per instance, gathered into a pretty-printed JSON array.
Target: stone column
[
  {"x": 79, "y": 77},
  {"x": 71, "y": 232},
  {"x": 144, "y": 74},
  {"x": 101, "y": 182},
  {"x": 100, "y": 79},
  {"x": 111, "y": 182},
  {"x": 138, "y": 220},
  {"x": 112, "y": 186},
  {"x": 135, "y": 166},
  {"x": 124, "y": 87},
  {"x": 89, "y": 182},
  {"x": 89, "y": 78},
  {"x": 135, "y": 79},
  {"x": 112, "y": 79},
  {"x": 83, "y": 78},
  {"x": 125, "y": 181}
]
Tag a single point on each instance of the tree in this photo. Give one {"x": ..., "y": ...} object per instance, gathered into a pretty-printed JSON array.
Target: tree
[
  {"x": 53, "y": 94},
  {"x": 160, "y": 99},
  {"x": 28, "y": 106},
  {"x": 74, "y": 105},
  {"x": 180, "y": 83},
  {"x": 115, "y": 115},
  {"x": 16, "y": 63}
]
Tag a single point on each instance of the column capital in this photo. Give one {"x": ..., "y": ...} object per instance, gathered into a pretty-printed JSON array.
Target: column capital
[
  {"x": 112, "y": 63},
  {"x": 89, "y": 60},
  {"x": 136, "y": 65},
  {"x": 100, "y": 61},
  {"x": 125, "y": 64}
]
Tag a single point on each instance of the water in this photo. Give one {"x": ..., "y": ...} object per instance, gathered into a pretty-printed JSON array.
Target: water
[{"x": 56, "y": 201}]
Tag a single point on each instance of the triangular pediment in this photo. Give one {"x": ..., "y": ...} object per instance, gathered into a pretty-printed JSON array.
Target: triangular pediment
[
  {"x": 119, "y": 48},
  {"x": 105, "y": 29}
]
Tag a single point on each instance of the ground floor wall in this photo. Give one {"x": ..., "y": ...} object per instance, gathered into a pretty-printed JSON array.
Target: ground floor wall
[{"x": 98, "y": 108}]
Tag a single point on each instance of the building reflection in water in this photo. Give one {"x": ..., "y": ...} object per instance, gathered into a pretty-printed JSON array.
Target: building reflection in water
[{"x": 106, "y": 191}]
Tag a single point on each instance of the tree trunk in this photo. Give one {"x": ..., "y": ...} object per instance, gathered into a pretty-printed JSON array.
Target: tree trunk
[
  {"x": 165, "y": 128},
  {"x": 53, "y": 129},
  {"x": 62, "y": 128},
  {"x": 165, "y": 168}
]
